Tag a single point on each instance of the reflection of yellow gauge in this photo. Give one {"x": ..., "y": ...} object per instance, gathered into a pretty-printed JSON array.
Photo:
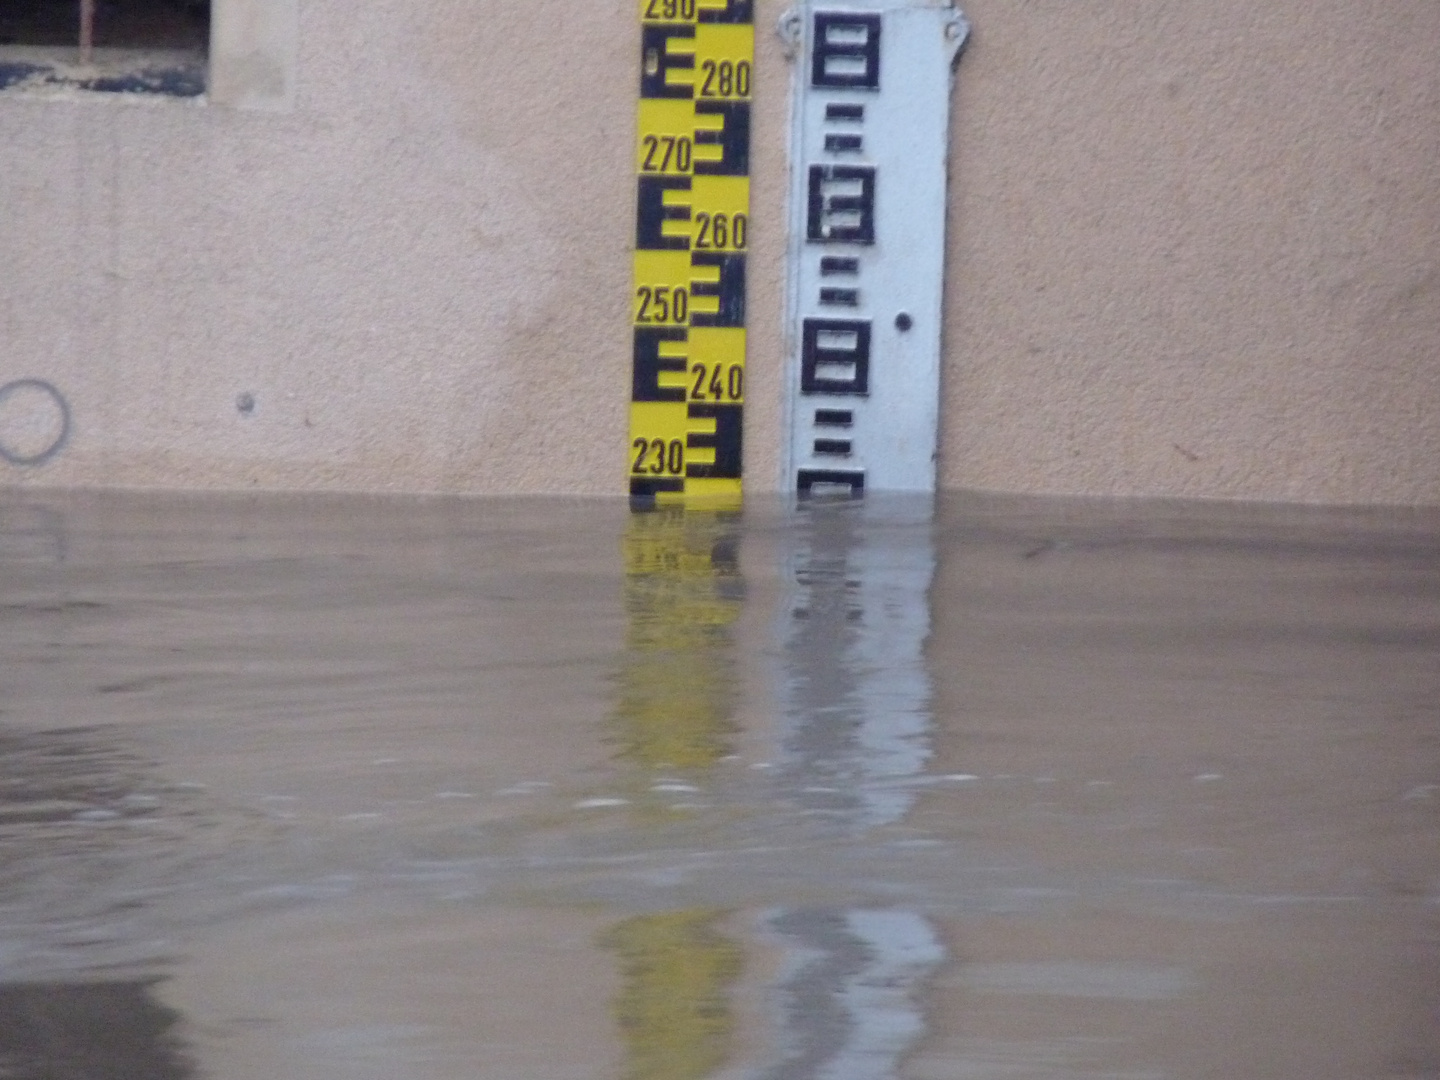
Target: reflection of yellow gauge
[
  {"x": 692, "y": 232},
  {"x": 682, "y": 592},
  {"x": 672, "y": 1007},
  {"x": 675, "y": 715}
]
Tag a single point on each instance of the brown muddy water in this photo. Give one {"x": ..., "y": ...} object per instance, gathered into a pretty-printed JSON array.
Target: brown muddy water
[{"x": 1017, "y": 789}]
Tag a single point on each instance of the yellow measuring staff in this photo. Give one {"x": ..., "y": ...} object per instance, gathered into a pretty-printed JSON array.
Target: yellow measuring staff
[{"x": 692, "y": 230}]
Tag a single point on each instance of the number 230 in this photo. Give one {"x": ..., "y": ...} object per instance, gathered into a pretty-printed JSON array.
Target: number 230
[{"x": 668, "y": 457}]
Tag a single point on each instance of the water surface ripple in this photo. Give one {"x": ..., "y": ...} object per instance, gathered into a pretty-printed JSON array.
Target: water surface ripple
[{"x": 989, "y": 789}]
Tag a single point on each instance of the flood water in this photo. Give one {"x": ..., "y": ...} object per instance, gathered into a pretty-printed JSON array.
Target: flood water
[{"x": 1002, "y": 789}]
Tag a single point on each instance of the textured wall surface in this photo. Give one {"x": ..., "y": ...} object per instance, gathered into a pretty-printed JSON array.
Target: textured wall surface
[{"x": 1194, "y": 249}]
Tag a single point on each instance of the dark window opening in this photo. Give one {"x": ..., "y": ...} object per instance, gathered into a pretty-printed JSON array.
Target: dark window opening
[{"x": 136, "y": 46}]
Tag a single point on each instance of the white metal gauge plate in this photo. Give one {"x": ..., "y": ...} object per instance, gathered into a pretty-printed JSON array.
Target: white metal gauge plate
[{"x": 869, "y": 139}]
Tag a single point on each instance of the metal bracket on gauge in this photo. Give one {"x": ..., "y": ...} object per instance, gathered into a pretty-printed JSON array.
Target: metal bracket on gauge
[
  {"x": 869, "y": 132},
  {"x": 692, "y": 232}
]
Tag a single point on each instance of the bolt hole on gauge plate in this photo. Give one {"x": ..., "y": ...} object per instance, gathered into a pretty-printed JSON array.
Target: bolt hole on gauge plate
[
  {"x": 692, "y": 234},
  {"x": 866, "y": 252}
]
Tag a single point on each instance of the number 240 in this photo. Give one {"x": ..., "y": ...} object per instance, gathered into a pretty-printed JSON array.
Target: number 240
[{"x": 717, "y": 384}]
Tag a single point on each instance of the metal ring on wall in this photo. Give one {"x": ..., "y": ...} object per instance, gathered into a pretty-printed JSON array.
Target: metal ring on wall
[{"x": 13, "y": 456}]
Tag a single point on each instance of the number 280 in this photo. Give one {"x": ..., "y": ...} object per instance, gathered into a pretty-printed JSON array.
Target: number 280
[{"x": 724, "y": 79}]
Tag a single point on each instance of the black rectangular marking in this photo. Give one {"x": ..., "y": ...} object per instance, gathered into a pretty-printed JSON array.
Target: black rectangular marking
[
  {"x": 834, "y": 417},
  {"x": 844, "y": 144},
  {"x": 725, "y": 441},
  {"x": 647, "y": 365},
  {"x": 844, "y": 111},
  {"x": 841, "y": 204},
  {"x": 838, "y": 447},
  {"x": 845, "y": 51},
  {"x": 830, "y": 265},
  {"x": 733, "y": 138},
  {"x": 730, "y": 289},
  {"x": 840, "y": 297},
  {"x": 835, "y": 356},
  {"x": 733, "y": 11},
  {"x": 651, "y": 213},
  {"x": 643, "y": 489},
  {"x": 657, "y": 61},
  {"x": 807, "y": 480}
]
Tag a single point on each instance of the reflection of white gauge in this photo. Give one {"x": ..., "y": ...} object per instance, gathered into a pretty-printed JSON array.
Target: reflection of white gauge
[
  {"x": 852, "y": 1004},
  {"x": 857, "y": 716},
  {"x": 34, "y": 421}
]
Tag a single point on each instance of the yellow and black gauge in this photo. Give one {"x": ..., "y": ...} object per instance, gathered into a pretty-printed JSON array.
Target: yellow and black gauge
[{"x": 692, "y": 230}]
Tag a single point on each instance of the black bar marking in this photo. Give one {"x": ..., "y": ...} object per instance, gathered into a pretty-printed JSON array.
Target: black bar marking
[
  {"x": 734, "y": 11},
  {"x": 726, "y": 440},
  {"x": 834, "y": 417},
  {"x": 656, "y": 60},
  {"x": 830, "y": 265},
  {"x": 845, "y": 51},
  {"x": 841, "y": 219},
  {"x": 651, "y": 213},
  {"x": 844, "y": 111},
  {"x": 840, "y": 447},
  {"x": 840, "y": 297},
  {"x": 733, "y": 138},
  {"x": 648, "y": 363},
  {"x": 844, "y": 144},
  {"x": 813, "y": 355},
  {"x": 730, "y": 289},
  {"x": 806, "y": 480},
  {"x": 643, "y": 489}
]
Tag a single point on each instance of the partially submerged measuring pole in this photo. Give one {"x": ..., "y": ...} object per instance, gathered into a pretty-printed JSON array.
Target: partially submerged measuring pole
[
  {"x": 692, "y": 230},
  {"x": 869, "y": 137}
]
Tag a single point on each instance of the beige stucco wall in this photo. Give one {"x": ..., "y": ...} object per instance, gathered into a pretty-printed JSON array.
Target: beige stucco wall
[{"x": 1194, "y": 249}]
